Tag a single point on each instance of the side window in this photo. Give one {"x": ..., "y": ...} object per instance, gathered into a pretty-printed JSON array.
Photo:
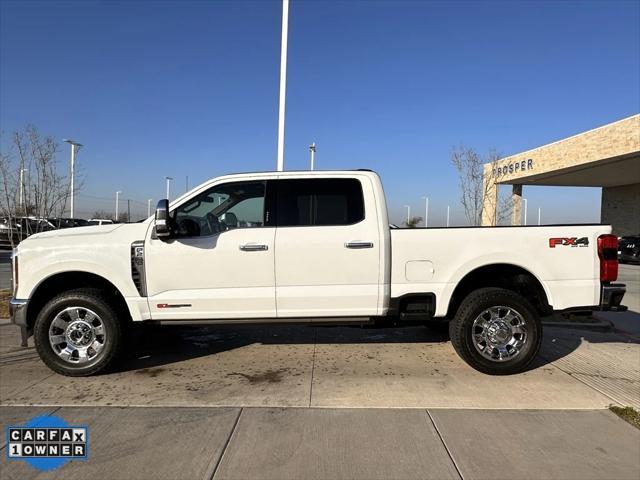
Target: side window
[
  {"x": 223, "y": 207},
  {"x": 311, "y": 202}
]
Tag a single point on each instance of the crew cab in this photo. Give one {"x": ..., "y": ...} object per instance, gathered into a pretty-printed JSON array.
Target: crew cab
[{"x": 305, "y": 247}]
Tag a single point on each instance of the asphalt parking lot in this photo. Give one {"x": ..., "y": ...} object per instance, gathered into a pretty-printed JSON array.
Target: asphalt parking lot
[{"x": 339, "y": 402}]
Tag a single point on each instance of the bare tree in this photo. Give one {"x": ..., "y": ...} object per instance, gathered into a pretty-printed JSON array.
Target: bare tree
[
  {"x": 45, "y": 191},
  {"x": 102, "y": 214},
  {"x": 412, "y": 222},
  {"x": 475, "y": 188}
]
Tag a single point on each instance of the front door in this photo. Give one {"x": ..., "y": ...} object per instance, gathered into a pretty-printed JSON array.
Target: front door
[{"x": 220, "y": 263}]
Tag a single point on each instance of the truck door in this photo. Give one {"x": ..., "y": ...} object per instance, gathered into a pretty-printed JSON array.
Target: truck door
[
  {"x": 220, "y": 264},
  {"x": 327, "y": 248}
]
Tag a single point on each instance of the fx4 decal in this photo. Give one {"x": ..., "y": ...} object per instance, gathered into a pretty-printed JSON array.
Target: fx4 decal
[{"x": 571, "y": 241}]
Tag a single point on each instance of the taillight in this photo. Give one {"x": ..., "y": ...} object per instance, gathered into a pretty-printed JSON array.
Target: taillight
[{"x": 608, "y": 253}]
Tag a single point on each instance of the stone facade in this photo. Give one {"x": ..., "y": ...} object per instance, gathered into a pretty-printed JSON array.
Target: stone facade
[
  {"x": 621, "y": 209},
  {"x": 615, "y": 140}
]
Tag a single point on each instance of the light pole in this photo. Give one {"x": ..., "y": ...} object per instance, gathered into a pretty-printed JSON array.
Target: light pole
[
  {"x": 447, "y": 215},
  {"x": 117, "y": 202},
  {"x": 22, "y": 170},
  {"x": 539, "y": 213},
  {"x": 149, "y": 207},
  {"x": 426, "y": 211},
  {"x": 283, "y": 84},
  {"x": 312, "y": 149},
  {"x": 525, "y": 210},
  {"x": 408, "y": 213},
  {"x": 75, "y": 146},
  {"x": 168, "y": 179}
]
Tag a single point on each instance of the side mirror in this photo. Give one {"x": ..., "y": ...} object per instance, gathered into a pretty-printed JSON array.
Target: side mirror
[{"x": 163, "y": 226}]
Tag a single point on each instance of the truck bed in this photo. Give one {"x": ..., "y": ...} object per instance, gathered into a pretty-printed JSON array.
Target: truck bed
[{"x": 437, "y": 259}]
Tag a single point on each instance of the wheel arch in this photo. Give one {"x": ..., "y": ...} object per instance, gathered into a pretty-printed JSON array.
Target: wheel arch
[
  {"x": 65, "y": 281},
  {"x": 502, "y": 275}
]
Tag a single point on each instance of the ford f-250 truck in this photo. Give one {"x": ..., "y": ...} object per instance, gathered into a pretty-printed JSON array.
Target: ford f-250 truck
[{"x": 310, "y": 247}]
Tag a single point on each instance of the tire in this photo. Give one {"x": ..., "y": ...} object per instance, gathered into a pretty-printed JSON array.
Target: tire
[
  {"x": 71, "y": 316},
  {"x": 508, "y": 322}
]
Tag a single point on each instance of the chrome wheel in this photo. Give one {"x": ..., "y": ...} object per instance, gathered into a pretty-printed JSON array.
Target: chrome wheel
[
  {"x": 77, "y": 335},
  {"x": 499, "y": 333}
]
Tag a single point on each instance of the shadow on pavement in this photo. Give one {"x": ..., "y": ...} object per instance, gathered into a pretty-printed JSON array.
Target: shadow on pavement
[{"x": 155, "y": 346}]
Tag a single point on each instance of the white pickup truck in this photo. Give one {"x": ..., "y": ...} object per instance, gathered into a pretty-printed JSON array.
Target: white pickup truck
[{"x": 304, "y": 247}]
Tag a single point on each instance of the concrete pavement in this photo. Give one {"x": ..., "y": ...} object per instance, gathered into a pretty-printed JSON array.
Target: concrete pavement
[
  {"x": 274, "y": 443},
  {"x": 297, "y": 366}
]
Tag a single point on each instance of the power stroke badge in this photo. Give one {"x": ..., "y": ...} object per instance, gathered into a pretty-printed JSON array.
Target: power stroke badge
[{"x": 47, "y": 442}]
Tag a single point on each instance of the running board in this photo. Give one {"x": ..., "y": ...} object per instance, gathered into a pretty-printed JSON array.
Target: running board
[{"x": 266, "y": 321}]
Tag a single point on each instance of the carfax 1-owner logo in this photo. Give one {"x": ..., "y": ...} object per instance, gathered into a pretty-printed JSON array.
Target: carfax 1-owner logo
[{"x": 47, "y": 442}]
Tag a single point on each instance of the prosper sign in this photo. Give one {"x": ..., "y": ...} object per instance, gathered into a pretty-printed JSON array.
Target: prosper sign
[{"x": 513, "y": 167}]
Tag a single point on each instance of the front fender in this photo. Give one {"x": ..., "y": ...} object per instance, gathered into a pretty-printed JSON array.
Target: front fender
[{"x": 111, "y": 263}]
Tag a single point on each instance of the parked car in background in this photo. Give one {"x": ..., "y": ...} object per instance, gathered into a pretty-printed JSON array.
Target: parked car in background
[
  {"x": 68, "y": 222},
  {"x": 99, "y": 221},
  {"x": 20, "y": 228},
  {"x": 629, "y": 249},
  {"x": 6, "y": 231}
]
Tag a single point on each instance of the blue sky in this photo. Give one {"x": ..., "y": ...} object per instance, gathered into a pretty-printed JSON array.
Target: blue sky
[{"x": 191, "y": 88}]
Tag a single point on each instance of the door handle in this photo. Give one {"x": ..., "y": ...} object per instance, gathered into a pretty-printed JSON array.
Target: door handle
[
  {"x": 358, "y": 244},
  {"x": 253, "y": 247}
]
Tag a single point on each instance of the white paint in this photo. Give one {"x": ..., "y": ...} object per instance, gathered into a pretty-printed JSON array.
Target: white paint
[
  {"x": 317, "y": 275},
  {"x": 212, "y": 275}
]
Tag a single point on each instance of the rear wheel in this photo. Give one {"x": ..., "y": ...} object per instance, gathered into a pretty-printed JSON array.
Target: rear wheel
[
  {"x": 77, "y": 333},
  {"x": 496, "y": 331}
]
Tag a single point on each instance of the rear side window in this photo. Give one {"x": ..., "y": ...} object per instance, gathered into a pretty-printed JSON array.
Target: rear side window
[{"x": 311, "y": 202}]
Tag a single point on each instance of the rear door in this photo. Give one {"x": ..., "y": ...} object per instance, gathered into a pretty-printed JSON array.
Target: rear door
[{"x": 327, "y": 247}]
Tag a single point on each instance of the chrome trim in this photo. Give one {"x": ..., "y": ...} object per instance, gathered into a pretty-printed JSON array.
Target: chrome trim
[
  {"x": 358, "y": 244},
  {"x": 77, "y": 335},
  {"x": 253, "y": 247},
  {"x": 138, "y": 271},
  {"x": 499, "y": 333},
  {"x": 18, "y": 311}
]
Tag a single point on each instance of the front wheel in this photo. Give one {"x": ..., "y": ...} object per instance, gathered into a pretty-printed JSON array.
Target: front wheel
[
  {"x": 77, "y": 333},
  {"x": 496, "y": 331}
]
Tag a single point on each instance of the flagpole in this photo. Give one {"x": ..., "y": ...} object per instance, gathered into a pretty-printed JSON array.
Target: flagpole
[{"x": 283, "y": 84}]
